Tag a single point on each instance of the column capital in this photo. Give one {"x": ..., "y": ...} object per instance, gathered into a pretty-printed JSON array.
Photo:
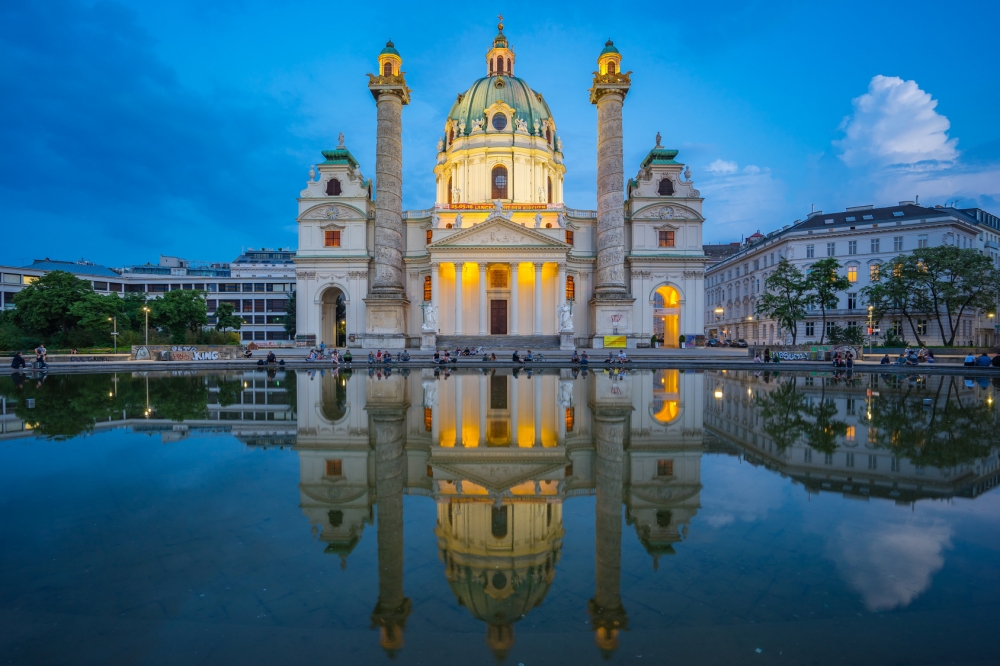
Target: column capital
[
  {"x": 482, "y": 267},
  {"x": 459, "y": 265},
  {"x": 435, "y": 265},
  {"x": 538, "y": 265}
]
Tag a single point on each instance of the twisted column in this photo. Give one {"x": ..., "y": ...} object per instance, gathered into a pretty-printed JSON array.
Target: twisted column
[{"x": 610, "y": 275}]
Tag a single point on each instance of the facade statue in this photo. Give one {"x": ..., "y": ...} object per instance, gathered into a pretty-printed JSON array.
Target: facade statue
[
  {"x": 430, "y": 392},
  {"x": 440, "y": 145},
  {"x": 430, "y": 318},
  {"x": 521, "y": 124},
  {"x": 565, "y": 394},
  {"x": 458, "y": 221},
  {"x": 340, "y": 140},
  {"x": 477, "y": 125},
  {"x": 498, "y": 206},
  {"x": 565, "y": 318},
  {"x": 538, "y": 220},
  {"x": 658, "y": 140}
]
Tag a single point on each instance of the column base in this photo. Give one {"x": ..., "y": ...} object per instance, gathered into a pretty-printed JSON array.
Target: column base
[
  {"x": 604, "y": 311},
  {"x": 385, "y": 322},
  {"x": 566, "y": 341},
  {"x": 428, "y": 341}
]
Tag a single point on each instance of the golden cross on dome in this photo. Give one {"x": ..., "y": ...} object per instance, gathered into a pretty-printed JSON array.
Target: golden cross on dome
[{"x": 500, "y": 25}]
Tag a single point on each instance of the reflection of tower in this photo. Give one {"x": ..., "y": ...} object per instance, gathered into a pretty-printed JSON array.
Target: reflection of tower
[
  {"x": 606, "y": 611},
  {"x": 388, "y": 427}
]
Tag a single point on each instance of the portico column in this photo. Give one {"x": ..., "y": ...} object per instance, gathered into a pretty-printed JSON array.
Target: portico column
[
  {"x": 538, "y": 297},
  {"x": 537, "y": 386},
  {"x": 513, "y": 298},
  {"x": 561, "y": 293},
  {"x": 458, "y": 410},
  {"x": 458, "y": 297},
  {"x": 435, "y": 282},
  {"x": 482, "y": 410},
  {"x": 513, "y": 410},
  {"x": 482, "y": 298}
]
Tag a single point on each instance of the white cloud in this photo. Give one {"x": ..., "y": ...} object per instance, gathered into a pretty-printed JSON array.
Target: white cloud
[
  {"x": 720, "y": 167},
  {"x": 895, "y": 122}
]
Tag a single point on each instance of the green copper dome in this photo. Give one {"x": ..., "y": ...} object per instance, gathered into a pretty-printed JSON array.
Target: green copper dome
[
  {"x": 390, "y": 49},
  {"x": 514, "y": 92},
  {"x": 609, "y": 47}
]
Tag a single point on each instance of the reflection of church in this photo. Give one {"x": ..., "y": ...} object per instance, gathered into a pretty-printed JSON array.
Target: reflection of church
[
  {"x": 499, "y": 253},
  {"x": 500, "y": 454}
]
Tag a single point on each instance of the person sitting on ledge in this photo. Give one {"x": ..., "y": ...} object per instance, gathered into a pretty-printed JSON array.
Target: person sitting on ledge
[
  {"x": 885, "y": 360},
  {"x": 348, "y": 357},
  {"x": 584, "y": 359},
  {"x": 271, "y": 358},
  {"x": 405, "y": 356},
  {"x": 621, "y": 357},
  {"x": 575, "y": 358},
  {"x": 514, "y": 357},
  {"x": 970, "y": 360},
  {"x": 371, "y": 357},
  {"x": 493, "y": 357},
  {"x": 528, "y": 356},
  {"x": 984, "y": 360},
  {"x": 610, "y": 358},
  {"x": 18, "y": 362}
]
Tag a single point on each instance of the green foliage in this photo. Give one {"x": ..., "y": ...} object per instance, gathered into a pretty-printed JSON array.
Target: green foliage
[
  {"x": 943, "y": 283},
  {"x": 823, "y": 285},
  {"x": 225, "y": 318},
  {"x": 45, "y": 306},
  {"x": 784, "y": 299},
  {"x": 789, "y": 416},
  {"x": 179, "y": 311},
  {"x": 210, "y": 337},
  {"x": 229, "y": 391},
  {"x": 290, "y": 315},
  {"x": 13, "y": 338},
  {"x": 893, "y": 340},
  {"x": 94, "y": 314},
  {"x": 851, "y": 335}
]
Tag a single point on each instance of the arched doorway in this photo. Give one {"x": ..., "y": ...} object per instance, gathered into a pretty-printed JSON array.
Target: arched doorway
[
  {"x": 667, "y": 315},
  {"x": 334, "y": 326}
]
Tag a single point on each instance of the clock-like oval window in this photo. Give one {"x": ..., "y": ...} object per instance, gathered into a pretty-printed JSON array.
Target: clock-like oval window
[{"x": 499, "y": 121}]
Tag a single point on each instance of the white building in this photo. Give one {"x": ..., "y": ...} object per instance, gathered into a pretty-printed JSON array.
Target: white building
[
  {"x": 500, "y": 259},
  {"x": 859, "y": 238}
]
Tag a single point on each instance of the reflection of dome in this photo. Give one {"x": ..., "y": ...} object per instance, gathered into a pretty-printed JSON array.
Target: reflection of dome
[{"x": 512, "y": 91}]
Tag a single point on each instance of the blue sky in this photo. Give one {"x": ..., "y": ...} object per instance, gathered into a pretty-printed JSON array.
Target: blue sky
[{"x": 130, "y": 129}]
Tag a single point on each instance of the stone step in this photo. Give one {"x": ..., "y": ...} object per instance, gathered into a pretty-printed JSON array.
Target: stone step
[{"x": 491, "y": 342}]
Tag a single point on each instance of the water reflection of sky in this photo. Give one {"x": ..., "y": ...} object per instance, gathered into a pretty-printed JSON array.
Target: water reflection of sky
[{"x": 191, "y": 545}]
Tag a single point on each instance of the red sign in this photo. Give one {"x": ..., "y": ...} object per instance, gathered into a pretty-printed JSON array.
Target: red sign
[{"x": 489, "y": 206}]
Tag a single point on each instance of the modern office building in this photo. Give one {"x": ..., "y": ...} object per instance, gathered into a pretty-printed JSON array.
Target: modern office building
[{"x": 860, "y": 238}]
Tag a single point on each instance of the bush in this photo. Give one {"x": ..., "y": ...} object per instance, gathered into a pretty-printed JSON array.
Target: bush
[
  {"x": 211, "y": 337},
  {"x": 851, "y": 335},
  {"x": 13, "y": 338},
  {"x": 893, "y": 340}
]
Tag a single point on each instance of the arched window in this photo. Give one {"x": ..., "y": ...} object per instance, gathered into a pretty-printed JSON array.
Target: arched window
[
  {"x": 498, "y": 524},
  {"x": 548, "y": 134},
  {"x": 612, "y": 68},
  {"x": 428, "y": 293},
  {"x": 509, "y": 68},
  {"x": 333, "y": 187},
  {"x": 666, "y": 187},
  {"x": 449, "y": 191},
  {"x": 451, "y": 136},
  {"x": 550, "y": 190},
  {"x": 499, "y": 178},
  {"x": 570, "y": 288},
  {"x": 499, "y": 65},
  {"x": 387, "y": 68}
]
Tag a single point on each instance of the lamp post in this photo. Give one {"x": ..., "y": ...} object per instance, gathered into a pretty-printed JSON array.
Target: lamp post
[
  {"x": 990, "y": 317},
  {"x": 718, "y": 313},
  {"x": 146, "y": 310},
  {"x": 871, "y": 325},
  {"x": 114, "y": 334}
]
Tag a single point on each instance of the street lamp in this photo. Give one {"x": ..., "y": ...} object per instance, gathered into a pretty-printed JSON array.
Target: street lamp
[
  {"x": 115, "y": 333},
  {"x": 871, "y": 324},
  {"x": 718, "y": 313},
  {"x": 146, "y": 310}
]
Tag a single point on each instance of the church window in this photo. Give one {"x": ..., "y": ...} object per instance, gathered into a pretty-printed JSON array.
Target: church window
[
  {"x": 387, "y": 68},
  {"x": 570, "y": 288},
  {"x": 666, "y": 187},
  {"x": 499, "y": 121},
  {"x": 550, "y": 190},
  {"x": 449, "y": 192},
  {"x": 499, "y": 65},
  {"x": 333, "y": 187},
  {"x": 499, "y": 522},
  {"x": 612, "y": 68},
  {"x": 428, "y": 293},
  {"x": 499, "y": 180},
  {"x": 666, "y": 239},
  {"x": 331, "y": 239},
  {"x": 334, "y": 468},
  {"x": 498, "y": 279},
  {"x": 548, "y": 225},
  {"x": 430, "y": 236},
  {"x": 451, "y": 136},
  {"x": 569, "y": 237},
  {"x": 428, "y": 419},
  {"x": 548, "y": 134},
  {"x": 509, "y": 69},
  {"x": 664, "y": 468}
]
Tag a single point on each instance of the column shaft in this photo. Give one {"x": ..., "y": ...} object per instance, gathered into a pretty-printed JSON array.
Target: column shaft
[
  {"x": 514, "y": 292},
  {"x": 482, "y": 409},
  {"x": 537, "y": 389},
  {"x": 560, "y": 293},
  {"x": 435, "y": 285},
  {"x": 458, "y": 298},
  {"x": 389, "y": 197},
  {"x": 458, "y": 410},
  {"x": 482, "y": 298},
  {"x": 513, "y": 410},
  {"x": 610, "y": 274},
  {"x": 538, "y": 298}
]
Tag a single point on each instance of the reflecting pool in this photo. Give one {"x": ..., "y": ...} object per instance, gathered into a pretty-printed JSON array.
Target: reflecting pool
[{"x": 488, "y": 517}]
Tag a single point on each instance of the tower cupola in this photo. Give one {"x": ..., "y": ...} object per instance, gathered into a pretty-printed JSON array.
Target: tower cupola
[
  {"x": 500, "y": 58},
  {"x": 389, "y": 62},
  {"x": 610, "y": 60}
]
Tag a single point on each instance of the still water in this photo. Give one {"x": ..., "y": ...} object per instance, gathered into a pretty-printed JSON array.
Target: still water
[{"x": 480, "y": 517}]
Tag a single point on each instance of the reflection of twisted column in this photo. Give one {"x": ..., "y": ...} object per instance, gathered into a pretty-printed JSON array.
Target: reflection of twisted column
[
  {"x": 606, "y": 611},
  {"x": 393, "y": 607}
]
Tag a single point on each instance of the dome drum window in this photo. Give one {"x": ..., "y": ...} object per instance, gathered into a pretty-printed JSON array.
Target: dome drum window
[
  {"x": 499, "y": 182},
  {"x": 499, "y": 122}
]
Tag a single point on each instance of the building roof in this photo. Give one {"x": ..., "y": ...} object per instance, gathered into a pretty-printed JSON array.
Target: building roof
[
  {"x": 266, "y": 256},
  {"x": 390, "y": 49},
  {"x": 512, "y": 91},
  {"x": 340, "y": 156},
  {"x": 660, "y": 155},
  {"x": 719, "y": 251},
  {"x": 76, "y": 267},
  {"x": 609, "y": 47}
]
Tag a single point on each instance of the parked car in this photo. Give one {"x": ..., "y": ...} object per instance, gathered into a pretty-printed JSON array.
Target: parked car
[
  {"x": 740, "y": 343},
  {"x": 713, "y": 342}
]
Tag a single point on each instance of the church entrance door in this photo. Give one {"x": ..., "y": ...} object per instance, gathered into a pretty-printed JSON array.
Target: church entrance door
[{"x": 498, "y": 317}]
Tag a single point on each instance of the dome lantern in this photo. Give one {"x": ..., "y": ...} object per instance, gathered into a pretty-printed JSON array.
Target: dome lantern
[
  {"x": 610, "y": 60},
  {"x": 500, "y": 58},
  {"x": 389, "y": 62}
]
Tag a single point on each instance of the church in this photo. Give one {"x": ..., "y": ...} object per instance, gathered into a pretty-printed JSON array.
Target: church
[{"x": 500, "y": 260}]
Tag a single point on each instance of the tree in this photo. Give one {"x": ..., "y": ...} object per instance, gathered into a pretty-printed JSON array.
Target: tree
[
  {"x": 894, "y": 290},
  {"x": 94, "y": 312},
  {"x": 825, "y": 282},
  {"x": 179, "y": 311},
  {"x": 44, "y": 307},
  {"x": 225, "y": 318},
  {"x": 290, "y": 316},
  {"x": 784, "y": 299}
]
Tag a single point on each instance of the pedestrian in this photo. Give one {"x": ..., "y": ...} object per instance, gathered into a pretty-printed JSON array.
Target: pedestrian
[
  {"x": 322, "y": 349},
  {"x": 767, "y": 355}
]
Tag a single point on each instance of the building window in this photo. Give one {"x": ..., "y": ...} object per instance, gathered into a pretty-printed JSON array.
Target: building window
[
  {"x": 897, "y": 243},
  {"x": 666, "y": 239},
  {"x": 664, "y": 468},
  {"x": 873, "y": 272},
  {"x": 570, "y": 418},
  {"x": 852, "y": 300},
  {"x": 849, "y": 436},
  {"x": 922, "y": 240},
  {"x": 498, "y": 522},
  {"x": 828, "y": 459},
  {"x": 550, "y": 190},
  {"x": 612, "y": 68},
  {"x": 333, "y": 187},
  {"x": 875, "y": 245},
  {"x": 921, "y": 327},
  {"x": 666, "y": 187},
  {"x": 334, "y": 468},
  {"x": 829, "y": 327},
  {"x": 331, "y": 239},
  {"x": 499, "y": 121},
  {"x": 428, "y": 419},
  {"x": 428, "y": 292},
  {"x": 810, "y": 328},
  {"x": 499, "y": 65},
  {"x": 872, "y": 462},
  {"x": 831, "y": 249},
  {"x": 807, "y": 455},
  {"x": 387, "y": 68},
  {"x": 849, "y": 460},
  {"x": 430, "y": 236},
  {"x": 852, "y": 247},
  {"x": 449, "y": 192},
  {"x": 756, "y": 264},
  {"x": 569, "y": 237},
  {"x": 852, "y": 273},
  {"x": 810, "y": 251},
  {"x": 499, "y": 177},
  {"x": 570, "y": 288}
]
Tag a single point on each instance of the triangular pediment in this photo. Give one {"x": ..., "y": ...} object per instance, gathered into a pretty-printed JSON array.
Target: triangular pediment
[
  {"x": 500, "y": 476},
  {"x": 497, "y": 231}
]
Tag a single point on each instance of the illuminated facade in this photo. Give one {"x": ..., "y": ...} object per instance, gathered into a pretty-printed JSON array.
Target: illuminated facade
[{"x": 500, "y": 259}]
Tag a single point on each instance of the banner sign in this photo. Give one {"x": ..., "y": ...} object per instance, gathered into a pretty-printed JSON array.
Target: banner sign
[
  {"x": 614, "y": 341},
  {"x": 489, "y": 206}
]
